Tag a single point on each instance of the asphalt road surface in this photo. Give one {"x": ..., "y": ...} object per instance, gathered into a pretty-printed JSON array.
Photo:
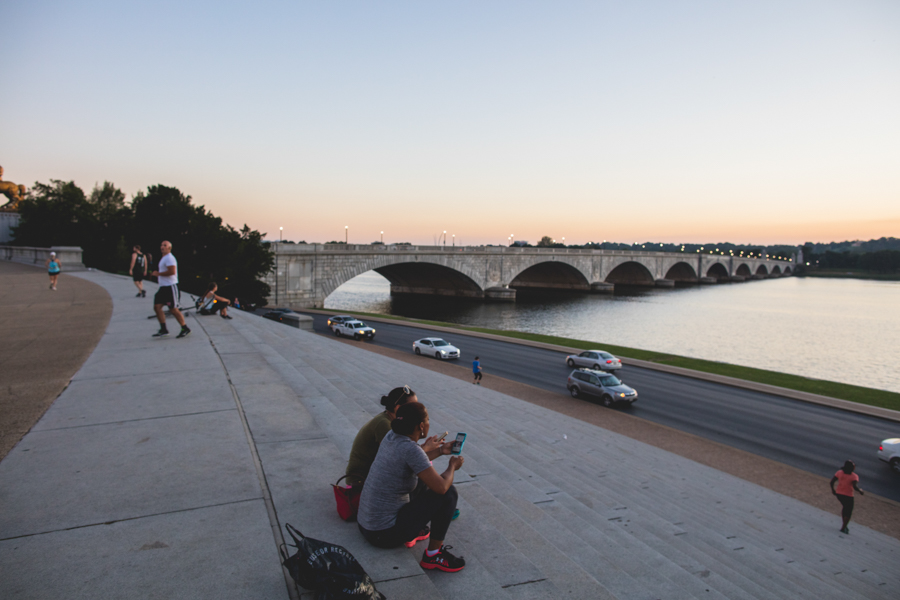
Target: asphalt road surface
[{"x": 814, "y": 438}]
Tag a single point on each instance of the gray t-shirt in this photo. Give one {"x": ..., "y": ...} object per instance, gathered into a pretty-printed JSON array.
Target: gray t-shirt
[{"x": 392, "y": 477}]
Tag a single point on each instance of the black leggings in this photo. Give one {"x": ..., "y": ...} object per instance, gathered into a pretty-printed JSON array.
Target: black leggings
[
  {"x": 847, "y": 504},
  {"x": 424, "y": 507}
]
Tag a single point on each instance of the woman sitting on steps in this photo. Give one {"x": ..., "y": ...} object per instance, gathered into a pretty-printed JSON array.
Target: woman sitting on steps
[
  {"x": 388, "y": 517},
  {"x": 367, "y": 441}
]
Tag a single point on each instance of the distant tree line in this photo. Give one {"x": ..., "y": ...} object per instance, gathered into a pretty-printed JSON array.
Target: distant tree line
[
  {"x": 881, "y": 261},
  {"x": 106, "y": 227}
]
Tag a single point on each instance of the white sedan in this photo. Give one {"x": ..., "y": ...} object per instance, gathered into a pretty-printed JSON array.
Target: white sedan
[
  {"x": 436, "y": 347},
  {"x": 594, "y": 359},
  {"x": 889, "y": 452}
]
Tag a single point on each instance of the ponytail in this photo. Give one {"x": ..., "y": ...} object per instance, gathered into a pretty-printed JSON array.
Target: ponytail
[
  {"x": 397, "y": 397},
  {"x": 409, "y": 417}
]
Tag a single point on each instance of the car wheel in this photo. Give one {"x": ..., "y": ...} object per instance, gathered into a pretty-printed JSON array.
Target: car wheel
[
  {"x": 570, "y": 362},
  {"x": 574, "y": 391},
  {"x": 418, "y": 351},
  {"x": 597, "y": 368},
  {"x": 437, "y": 355},
  {"x": 337, "y": 333},
  {"x": 607, "y": 400},
  {"x": 356, "y": 336},
  {"x": 895, "y": 465}
]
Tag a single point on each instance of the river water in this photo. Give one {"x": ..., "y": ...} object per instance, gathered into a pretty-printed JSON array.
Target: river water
[{"x": 836, "y": 329}]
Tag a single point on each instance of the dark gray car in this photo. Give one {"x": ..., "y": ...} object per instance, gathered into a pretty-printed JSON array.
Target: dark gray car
[{"x": 607, "y": 387}]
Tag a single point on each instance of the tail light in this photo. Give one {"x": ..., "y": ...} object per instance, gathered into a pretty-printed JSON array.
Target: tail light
[
  {"x": 609, "y": 362},
  {"x": 881, "y": 448}
]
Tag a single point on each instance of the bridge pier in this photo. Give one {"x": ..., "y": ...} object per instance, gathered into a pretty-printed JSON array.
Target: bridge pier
[
  {"x": 430, "y": 291},
  {"x": 667, "y": 283},
  {"x": 500, "y": 294},
  {"x": 602, "y": 287},
  {"x": 708, "y": 280}
]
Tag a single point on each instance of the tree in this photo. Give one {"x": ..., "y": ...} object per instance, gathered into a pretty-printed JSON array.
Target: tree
[
  {"x": 546, "y": 242},
  {"x": 206, "y": 249}
]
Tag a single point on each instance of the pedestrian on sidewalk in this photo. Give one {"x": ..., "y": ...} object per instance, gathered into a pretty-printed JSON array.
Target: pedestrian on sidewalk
[
  {"x": 368, "y": 439},
  {"x": 476, "y": 370},
  {"x": 847, "y": 481},
  {"x": 211, "y": 303},
  {"x": 388, "y": 515},
  {"x": 138, "y": 270},
  {"x": 168, "y": 293},
  {"x": 53, "y": 269}
]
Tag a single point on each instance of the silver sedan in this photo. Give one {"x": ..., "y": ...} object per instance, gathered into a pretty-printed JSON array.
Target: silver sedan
[
  {"x": 594, "y": 359},
  {"x": 436, "y": 347}
]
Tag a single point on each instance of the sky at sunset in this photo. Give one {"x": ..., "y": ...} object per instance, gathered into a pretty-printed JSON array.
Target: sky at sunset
[{"x": 748, "y": 122}]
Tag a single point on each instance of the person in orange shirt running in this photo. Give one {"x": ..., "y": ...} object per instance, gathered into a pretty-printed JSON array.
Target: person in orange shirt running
[{"x": 846, "y": 481}]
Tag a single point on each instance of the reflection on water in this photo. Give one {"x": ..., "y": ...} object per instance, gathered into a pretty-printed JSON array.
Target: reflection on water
[{"x": 837, "y": 329}]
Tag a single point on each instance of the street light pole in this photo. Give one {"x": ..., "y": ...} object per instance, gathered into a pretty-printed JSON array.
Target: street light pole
[
  {"x": 346, "y": 234},
  {"x": 454, "y": 240},
  {"x": 281, "y": 234},
  {"x": 445, "y": 238},
  {"x": 382, "y": 237}
]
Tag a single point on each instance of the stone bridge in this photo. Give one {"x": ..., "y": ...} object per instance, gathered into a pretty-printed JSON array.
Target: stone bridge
[{"x": 305, "y": 274}]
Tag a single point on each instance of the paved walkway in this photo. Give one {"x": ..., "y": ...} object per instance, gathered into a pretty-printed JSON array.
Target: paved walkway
[
  {"x": 162, "y": 468},
  {"x": 46, "y": 337}
]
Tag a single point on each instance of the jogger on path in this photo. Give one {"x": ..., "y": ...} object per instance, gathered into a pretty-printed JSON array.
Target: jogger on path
[
  {"x": 168, "y": 292},
  {"x": 847, "y": 482}
]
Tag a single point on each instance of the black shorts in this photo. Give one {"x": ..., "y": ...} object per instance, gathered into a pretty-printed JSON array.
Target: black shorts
[
  {"x": 137, "y": 276},
  {"x": 167, "y": 295},
  {"x": 216, "y": 307}
]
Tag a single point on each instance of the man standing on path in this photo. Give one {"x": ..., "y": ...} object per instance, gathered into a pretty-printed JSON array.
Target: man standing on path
[
  {"x": 138, "y": 270},
  {"x": 476, "y": 371},
  {"x": 167, "y": 295}
]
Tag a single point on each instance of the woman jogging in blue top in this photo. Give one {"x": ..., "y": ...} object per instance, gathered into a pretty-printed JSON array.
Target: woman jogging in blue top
[{"x": 53, "y": 269}]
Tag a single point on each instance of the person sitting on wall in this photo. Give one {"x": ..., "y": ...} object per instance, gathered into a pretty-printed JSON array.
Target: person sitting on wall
[
  {"x": 211, "y": 303},
  {"x": 367, "y": 441}
]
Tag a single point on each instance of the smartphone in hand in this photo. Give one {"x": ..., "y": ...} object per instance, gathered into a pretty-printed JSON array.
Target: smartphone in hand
[{"x": 457, "y": 446}]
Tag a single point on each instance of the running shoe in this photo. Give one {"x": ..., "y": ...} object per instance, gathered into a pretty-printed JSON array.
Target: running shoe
[
  {"x": 845, "y": 530},
  {"x": 455, "y": 515},
  {"x": 143, "y": 293},
  {"x": 443, "y": 561},
  {"x": 423, "y": 535},
  {"x": 184, "y": 331},
  {"x": 161, "y": 333},
  {"x": 138, "y": 295},
  {"x": 226, "y": 317}
]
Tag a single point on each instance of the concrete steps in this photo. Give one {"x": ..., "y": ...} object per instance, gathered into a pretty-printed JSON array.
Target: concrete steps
[{"x": 551, "y": 507}]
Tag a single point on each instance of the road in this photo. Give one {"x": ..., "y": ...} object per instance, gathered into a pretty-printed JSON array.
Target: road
[{"x": 814, "y": 438}]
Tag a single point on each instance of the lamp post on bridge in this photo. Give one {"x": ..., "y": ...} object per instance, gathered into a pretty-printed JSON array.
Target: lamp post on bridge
[
  {"x": 346, "y": 234},
  {"x": 281, "y": 234},
  {"x": 382, "y": 238}
]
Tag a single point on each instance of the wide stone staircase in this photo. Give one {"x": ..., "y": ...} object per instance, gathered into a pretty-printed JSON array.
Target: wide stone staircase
[{"x": 551, "y": 507}]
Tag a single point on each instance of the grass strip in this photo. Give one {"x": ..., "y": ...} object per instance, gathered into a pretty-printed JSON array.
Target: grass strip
[{"x": 833, "y": 389}]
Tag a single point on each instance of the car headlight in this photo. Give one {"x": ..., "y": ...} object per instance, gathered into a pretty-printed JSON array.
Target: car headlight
[{"x": 622, "y": 395}]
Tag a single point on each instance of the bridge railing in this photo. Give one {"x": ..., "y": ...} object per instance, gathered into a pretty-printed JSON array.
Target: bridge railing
[{"x": 294, "y": 249}]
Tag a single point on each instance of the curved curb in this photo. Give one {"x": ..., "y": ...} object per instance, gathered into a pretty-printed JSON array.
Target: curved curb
[{"x": 846, "y": 405}]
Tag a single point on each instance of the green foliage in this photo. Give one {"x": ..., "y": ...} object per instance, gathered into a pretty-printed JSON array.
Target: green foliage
[{"x": 106, "y": 228}]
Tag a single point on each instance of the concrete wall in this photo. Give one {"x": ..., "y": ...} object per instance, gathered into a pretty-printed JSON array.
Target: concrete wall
[
  {"x": 69, "y": 257},
  {"x": 7, "y": 222},
  {"x": 306, "y": 274}
]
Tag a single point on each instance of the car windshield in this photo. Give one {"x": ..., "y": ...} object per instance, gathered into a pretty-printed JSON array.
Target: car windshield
[
  {"x": 440, "y": 343},
  {"x": 357, "y": 324},
  {"x": 609, "y": 380}
]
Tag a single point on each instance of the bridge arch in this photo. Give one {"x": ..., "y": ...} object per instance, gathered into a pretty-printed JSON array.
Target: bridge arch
[
  {"x": 420, "y": 275},
  {"x": 718, "y": 271},
  {"x": 631, "y": 273},
  {"x": 681, "y": 271},
  {"x": 776, "y": 270},
  {"x": 743, "y": 270},
  {"x": 551, "y": 275},
  {"x": 762, "y": 270},
  {"x": 787, "y": 270}
]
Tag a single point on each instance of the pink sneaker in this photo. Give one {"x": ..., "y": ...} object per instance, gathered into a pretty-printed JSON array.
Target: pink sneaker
[{"x": 423, "y": 535}]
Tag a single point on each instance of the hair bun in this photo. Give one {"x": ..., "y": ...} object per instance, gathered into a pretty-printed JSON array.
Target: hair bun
[{"x": 385, "y": 400}]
